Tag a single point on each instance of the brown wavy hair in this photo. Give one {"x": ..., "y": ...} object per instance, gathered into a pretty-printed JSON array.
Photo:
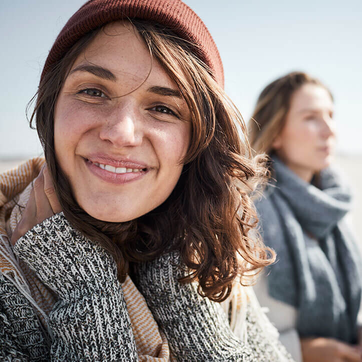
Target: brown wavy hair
[
  {"x": 272, "y": 107},
  {"x": 209, "y": 215}
]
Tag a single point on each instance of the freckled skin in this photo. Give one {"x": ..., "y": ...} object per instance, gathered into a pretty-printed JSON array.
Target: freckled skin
[
  {"x": 307, "y": 140},
  {"x": 124, "y": 120}
]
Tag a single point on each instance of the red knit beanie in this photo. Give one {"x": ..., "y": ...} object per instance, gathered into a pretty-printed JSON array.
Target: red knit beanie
[{"x": 174, "y": 14}]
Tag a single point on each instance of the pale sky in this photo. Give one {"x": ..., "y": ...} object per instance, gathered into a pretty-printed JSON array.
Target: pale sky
[{"x": 258, "y": 41}]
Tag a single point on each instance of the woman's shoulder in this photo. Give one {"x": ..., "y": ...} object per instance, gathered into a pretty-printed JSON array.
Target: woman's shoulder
[
  {"x": 14, "y": 181},
  {"x": 250, "y": 325}
]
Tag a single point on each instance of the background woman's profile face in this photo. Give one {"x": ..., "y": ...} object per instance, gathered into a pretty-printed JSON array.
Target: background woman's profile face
[
  {"x": 307, "y": 141},
  {"x": 121, "y": 127}
]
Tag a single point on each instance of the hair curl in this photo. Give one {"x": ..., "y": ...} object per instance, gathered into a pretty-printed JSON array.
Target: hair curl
[{"x": 209, "y": 215}]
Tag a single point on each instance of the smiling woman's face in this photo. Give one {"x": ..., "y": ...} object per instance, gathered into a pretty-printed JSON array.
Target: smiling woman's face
[{"x": 121, "y": 127}]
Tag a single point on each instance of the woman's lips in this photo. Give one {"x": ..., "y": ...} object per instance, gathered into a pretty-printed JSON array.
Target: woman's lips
[
  {"x": 116, "y": 162},
  {"x": 118, "y": 170},
  {"x": 118, "y": 173},
  {"x": 325, "y": 149}
]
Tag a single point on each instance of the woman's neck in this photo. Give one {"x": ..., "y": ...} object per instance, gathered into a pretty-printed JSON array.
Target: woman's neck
[{"x": 301, "y": 172}]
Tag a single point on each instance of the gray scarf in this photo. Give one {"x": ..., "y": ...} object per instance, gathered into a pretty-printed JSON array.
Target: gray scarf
[{"x": 319, "y": 265}]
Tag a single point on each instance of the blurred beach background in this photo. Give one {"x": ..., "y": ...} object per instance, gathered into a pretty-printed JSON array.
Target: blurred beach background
[{"x": 258, "y": 42}]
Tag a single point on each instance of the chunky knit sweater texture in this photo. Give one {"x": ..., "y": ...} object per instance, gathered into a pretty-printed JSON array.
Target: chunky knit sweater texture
[{"x": 90, "y": 322}]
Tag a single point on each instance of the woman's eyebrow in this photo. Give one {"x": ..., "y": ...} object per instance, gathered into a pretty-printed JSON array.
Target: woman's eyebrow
[
  {"x": 107, "y": 74},
  {"x": 96, "y": 70},
  {"x": 309, "y": 110},
  {"x": 165, "y": 91}
]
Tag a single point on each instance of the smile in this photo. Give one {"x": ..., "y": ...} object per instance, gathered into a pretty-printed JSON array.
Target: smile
[
  {"x": 113, "y": 169},
  {"x": 130, "y": 171}
]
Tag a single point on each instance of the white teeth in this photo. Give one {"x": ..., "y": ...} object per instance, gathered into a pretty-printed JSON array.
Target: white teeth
[
  {"x": 110, "y": 168},
  {"x": 116, "y": 169}
]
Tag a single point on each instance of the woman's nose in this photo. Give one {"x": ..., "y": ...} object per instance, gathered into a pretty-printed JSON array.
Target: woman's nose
[
  {"x": 328, "y": 127},
  {"x": 122, "y": 127}
]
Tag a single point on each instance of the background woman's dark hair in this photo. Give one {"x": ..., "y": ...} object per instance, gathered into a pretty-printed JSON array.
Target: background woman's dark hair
[
  {"x": 209, "y": 214},
  {"x": 272, "y": 108}
]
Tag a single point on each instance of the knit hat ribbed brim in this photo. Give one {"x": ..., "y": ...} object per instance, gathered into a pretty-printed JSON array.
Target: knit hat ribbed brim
[{"x": 174, "y": 14}]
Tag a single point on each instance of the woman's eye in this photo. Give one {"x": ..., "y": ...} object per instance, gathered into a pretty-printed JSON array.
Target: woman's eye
[
  {"x": 311, "y": 118},
  {"x": 92, "y": 92},
  {"x": 163, "y": 109}
]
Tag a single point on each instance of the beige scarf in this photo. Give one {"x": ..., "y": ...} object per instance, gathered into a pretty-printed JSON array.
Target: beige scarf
[{"x": 15, "y": 188}]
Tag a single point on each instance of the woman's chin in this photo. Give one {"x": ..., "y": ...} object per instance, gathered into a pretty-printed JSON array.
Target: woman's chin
[
  {"x": 113, "y": 218},
  {"x": 109, "y": 216},
  {"x": 327, "y": 161}
]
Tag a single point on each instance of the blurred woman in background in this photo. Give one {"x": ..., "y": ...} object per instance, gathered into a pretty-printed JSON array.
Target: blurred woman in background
[{"x": 313, "y": 292}]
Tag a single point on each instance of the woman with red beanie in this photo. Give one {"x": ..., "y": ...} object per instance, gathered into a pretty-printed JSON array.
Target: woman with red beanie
[{"x": 120, "y": 245}]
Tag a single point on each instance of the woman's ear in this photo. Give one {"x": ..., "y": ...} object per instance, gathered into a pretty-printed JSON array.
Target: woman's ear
[{"x": 277, "y": 143}]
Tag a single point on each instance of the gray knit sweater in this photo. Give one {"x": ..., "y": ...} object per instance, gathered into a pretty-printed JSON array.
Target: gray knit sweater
[{"x": 90, "y": 320}]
